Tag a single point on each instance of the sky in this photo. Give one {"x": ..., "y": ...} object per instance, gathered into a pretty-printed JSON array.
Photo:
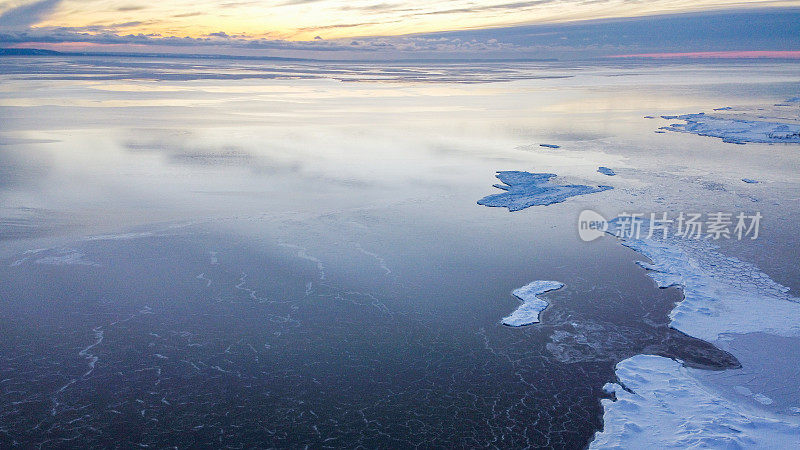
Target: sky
[{"x": 315, "y": 27}]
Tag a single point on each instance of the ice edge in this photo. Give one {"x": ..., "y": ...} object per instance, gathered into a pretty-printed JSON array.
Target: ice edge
[{"x": 662, "y": 404}]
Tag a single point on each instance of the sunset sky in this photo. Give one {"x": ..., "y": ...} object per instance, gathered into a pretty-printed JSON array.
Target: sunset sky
[{"x": 320, "y": 24}]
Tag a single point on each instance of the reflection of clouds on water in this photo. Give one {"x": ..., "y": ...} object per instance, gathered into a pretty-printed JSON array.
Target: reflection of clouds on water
[
  {"x": 272, "y": 158},
  {"x": 22, "y": 169},
  {"x": 259, "y": 155},
  {"x": 5, "y": 140},
  {"x": 182, "y": 148},
  {"x": 175, "y": 70},
  {"x": 19, "y": 167},
  {"x": 26, "y": 223}
]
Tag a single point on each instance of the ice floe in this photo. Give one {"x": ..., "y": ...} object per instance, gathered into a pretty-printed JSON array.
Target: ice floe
[
  {"x": 736, "y": 130},
  {"x": 662, "y": 405},
  {"x": 532, "y": 305},
  {"x": 749, "y": 180},
  {"x": 525, "y": 189},
  {"x": 606, "y": 171},
  {"x": 549, "y": 146}
]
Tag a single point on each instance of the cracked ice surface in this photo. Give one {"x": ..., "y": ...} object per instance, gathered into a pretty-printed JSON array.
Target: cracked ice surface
[
  {"x": 532, "y": 305},
  {"x": 525, "y": 189}
]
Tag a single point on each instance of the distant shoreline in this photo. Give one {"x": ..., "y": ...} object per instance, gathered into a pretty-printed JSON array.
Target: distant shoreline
[{"x": 23, "y": 52}]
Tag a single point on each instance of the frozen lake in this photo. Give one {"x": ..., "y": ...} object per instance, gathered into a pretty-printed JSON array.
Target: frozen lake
[{"x": 290, "y": 254}]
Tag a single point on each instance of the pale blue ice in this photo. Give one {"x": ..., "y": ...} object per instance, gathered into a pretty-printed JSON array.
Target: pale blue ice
[{"x": 525, "y": 189}]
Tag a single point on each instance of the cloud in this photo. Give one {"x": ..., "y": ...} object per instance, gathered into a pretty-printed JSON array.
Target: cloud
[
  {"x": 127, "y": 24},
  {"x": 28, "y": 14},
  {"x": 131, "y": 8},
  {"x": 104, "y": 35},
  {"x": 378, "y": 7},
  {"x": 502, "y": 7},
  {"x": 777, "y": 29},
  {"x": 183, "y": 148},
  {"x": 223, "y": 43},
  {"x": 485, "y": 8},
  {"x": 190, "y": 14},
  {"x": 339, "y": 25},
  {"x": 298, "y": 2}
]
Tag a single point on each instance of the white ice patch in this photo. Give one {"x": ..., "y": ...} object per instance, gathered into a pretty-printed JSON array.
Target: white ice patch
[
  {"x": 119, "y": 237},
  {"x": 761, "y": 398},
  {"x": 721, "y": 294},
  {"x": 526, "y": 189},
  {"x": 665, "y": 406},
  {"x": 532, "y": 305},
  {"x": 737, "y": 130},
  {"x": 65, "y": 257}
]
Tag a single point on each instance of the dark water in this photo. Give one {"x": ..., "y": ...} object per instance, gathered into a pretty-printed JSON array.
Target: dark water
[{"x": 252, "y": 346}]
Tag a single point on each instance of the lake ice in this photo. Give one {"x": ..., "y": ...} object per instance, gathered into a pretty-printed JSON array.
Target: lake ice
[{"x": 268, "y": 248}]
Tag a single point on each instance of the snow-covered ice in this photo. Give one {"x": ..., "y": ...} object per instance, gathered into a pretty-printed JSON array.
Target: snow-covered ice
[
  {"x": 662, "y": 405},
  {"x": 532, "y": 305},
  {"x": 525, "y": 189},
  {"x": 737, "y": 130},
  {"x": 721, "y": 294},
  {"x": 606, "y": 171}
]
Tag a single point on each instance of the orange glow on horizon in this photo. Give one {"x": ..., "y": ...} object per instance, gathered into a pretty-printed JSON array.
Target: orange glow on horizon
[{"x": 337, "y": 19}]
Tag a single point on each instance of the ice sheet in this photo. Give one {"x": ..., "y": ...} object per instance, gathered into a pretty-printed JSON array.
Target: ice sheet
[
  {"x": 662, "y": 405},
  {"x": 737, "y": 130}
]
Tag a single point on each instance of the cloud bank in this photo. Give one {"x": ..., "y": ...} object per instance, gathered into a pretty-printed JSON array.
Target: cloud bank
[
  {"x": 768, "y": 30},
  {"x": 27, "y": 14}
]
